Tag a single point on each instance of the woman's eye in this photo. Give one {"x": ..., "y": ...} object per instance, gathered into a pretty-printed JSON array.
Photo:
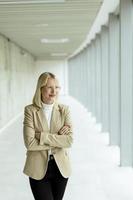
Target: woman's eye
[{"x": 49, "y": 87}]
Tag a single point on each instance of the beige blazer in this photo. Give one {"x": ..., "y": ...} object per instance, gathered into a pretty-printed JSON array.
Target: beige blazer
[{"x": 38, "y": 139}]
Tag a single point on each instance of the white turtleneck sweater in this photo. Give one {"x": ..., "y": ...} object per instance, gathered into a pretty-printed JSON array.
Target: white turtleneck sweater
[{"x": 47, "y": 109}]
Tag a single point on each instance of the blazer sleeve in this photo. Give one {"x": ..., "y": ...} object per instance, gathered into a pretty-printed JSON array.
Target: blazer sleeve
[
  {"x": 31, "y": 143},
  {"x": 60, "y": 141}
]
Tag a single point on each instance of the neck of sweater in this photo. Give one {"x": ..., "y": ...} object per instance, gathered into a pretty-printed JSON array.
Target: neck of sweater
[{"x": 47, "y": 106}]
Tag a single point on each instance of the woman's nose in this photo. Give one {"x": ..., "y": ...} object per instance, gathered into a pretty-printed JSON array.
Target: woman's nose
[{"x": 53, "y": 90}]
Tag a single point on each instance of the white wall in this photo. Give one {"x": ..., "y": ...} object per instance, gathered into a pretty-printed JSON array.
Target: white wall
[
  {"x": 59, "y": 68},
  {"x": 17, "y": 73}
]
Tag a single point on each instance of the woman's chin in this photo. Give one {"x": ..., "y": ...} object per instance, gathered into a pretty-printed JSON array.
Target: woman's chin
[{"x": 51, "y": 100}]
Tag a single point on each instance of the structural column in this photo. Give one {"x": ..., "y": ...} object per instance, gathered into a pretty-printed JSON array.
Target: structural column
[
  {"x": 84, "y": 83},
  {"x": 126, "y": 59},
  {"x": 93, "y": 83},
  {"x": 81, "y": 79},
  {"x": 105, "y": 78},
  {"x": 91, "y": 78},
  {"x": 98, "y": 78},
  {"x": 88, "y": 59},
  {"x": 114, "y": 80}
]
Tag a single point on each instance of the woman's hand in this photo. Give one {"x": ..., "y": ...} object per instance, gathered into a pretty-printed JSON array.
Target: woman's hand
[
  {"x": 64, "y": 130},
  {"x": 37, "y": 135}
]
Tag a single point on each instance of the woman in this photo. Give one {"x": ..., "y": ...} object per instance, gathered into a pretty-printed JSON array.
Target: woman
[{"x": 47, "y": 135}]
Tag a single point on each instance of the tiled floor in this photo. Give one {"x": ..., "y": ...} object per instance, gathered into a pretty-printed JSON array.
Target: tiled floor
[{"x": 96, "y": 174}]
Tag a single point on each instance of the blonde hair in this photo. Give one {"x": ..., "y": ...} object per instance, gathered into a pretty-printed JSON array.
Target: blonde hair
[{"x": 42, "y": 81}]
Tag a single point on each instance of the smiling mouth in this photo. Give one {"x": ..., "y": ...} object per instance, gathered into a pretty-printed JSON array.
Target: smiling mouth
[{"x": 52, "y": 95}]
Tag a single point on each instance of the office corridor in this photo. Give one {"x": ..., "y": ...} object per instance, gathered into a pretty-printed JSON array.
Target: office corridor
[{"x": 96, "y": 172}]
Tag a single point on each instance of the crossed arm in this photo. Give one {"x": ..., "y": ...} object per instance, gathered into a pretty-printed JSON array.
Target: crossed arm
[{"x": 46, "y": 140}]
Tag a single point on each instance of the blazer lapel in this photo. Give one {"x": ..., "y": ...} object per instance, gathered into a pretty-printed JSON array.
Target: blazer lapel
[
  {"x": 42, "y": 119},
  {"x": 54, "y": 118}
]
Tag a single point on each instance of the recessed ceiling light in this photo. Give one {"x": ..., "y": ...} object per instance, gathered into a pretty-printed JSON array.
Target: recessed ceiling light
[
  {"x": 59, "y": 54},
  {"x": 31, "y": 1},
  {"x": 62, "y": 40}
]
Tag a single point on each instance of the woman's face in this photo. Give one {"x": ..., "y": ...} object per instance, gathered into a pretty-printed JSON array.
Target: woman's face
[{"x": 50, "y": 92}]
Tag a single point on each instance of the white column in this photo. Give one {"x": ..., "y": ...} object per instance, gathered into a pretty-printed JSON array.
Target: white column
[
  {"x": 84, "y": 85},
  {"x": 98, "y": 78},
  {"x": 105, "y": 81},
  {"x": 126, "y": 34},
  {"x": 81, "y": 74},
  {"x": 93, "y": 59},
  {"x": 78, "y": 85},
  {"x": 114, "y": 80},
  {"x": 89, "y": 78}
]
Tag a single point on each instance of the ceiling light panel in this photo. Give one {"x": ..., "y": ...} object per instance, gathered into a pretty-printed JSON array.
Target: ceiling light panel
[
  {"x": 30, "y": 2},
  {"x": 59, "y": 54},
  {"x": 62, "y": 40}
]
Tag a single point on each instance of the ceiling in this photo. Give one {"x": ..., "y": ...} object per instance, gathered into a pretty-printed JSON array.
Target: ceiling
[{"x": 27, "y": 22}]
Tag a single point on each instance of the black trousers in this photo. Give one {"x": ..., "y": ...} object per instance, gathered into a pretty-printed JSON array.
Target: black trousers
[{"x": 52, "y": 186}]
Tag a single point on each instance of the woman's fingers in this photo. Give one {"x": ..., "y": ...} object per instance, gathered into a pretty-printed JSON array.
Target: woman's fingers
[{"x": 64, "y": 130}]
